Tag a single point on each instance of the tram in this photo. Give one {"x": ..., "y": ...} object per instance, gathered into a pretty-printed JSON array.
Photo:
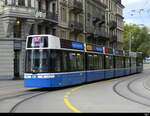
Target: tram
[{"x": 53, "y": 62}]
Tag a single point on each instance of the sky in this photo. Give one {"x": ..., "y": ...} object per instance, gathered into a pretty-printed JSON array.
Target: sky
[{"x": 137, "y": 12}]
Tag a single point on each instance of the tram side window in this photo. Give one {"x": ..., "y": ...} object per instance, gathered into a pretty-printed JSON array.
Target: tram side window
[
  {"x": 119, "y": 62},
  {"x": 127, "y": 62},
  {"x": 108, "y": 62},
  {"x": 101, "y": 61},
  {"x": 76, "y": 61},
  {"x": 94, "y": 62},
  {"x": 73, "y": 64},
  {"x": 55, "y": 61},
  {"x": 139, "y": 61},
  {"x": 80, "y": 61},
  {"x": 90, "y": 62},
  {"x": 64, "y": 61},
  {"x": 133, "y": 62}
]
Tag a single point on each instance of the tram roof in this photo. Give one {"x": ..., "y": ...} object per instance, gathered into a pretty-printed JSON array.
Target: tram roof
[
  {"x": 112, "y": 51},
  {"x": 43, "y": 35}
]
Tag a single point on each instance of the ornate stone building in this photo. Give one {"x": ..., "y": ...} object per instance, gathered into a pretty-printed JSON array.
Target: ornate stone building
[
  {"x": 91, "y": 21},
  {"x": 19, "y": 18}
]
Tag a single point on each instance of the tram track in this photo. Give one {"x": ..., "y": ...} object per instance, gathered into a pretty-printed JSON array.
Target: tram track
[
  {"x": 21, "y": 97},
  {"x": 13, "y": 109},
  {"x": 135, "y": 92},
  {"x": 134, "y": 95},
  {"x": 43, "y": 91}
]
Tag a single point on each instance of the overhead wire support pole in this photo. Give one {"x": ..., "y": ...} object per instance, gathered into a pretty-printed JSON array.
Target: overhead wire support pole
[{"x": 130, "y": 41}]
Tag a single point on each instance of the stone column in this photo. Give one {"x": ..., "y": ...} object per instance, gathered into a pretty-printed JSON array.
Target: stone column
[
  {"x": 8, "y": 26},
  {"x": 27, "y": 27}
]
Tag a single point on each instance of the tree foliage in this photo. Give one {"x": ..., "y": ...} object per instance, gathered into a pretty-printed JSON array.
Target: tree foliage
[{"x": 140, "y": 39}]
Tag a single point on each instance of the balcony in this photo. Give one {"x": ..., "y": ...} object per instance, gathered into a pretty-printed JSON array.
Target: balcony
[
  {"x": 89, "y": 29},
  {"x": 102, "y": 35},
  {"x": 76, "y": 6},
  {"x": 100, "y": 20},
  {"x": 113, "y": 25},
  {"x": 47, "y": 15},
  {"x": 52, "y": 16},
  {"x": 76, "y": 27},
  {"x": 101, "y": 3}
]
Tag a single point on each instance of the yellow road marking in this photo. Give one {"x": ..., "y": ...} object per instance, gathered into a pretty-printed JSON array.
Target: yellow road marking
[
  {"x": 68, "y": 104},
  {"x": 66, "y": 96}
]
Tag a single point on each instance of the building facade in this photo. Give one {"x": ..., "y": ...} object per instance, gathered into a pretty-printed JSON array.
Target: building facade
[
  {"x": 115, "y": 23},
  {"x": 71, "y": 20},
  {"x": 91, "y": 21},
  {"x": 19, "y": 18}
]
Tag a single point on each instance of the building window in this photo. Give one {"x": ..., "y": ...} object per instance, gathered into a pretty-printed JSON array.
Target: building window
[
  {"x": 47, "y": 30},
  {"x": 21, "y": 2},
  {"x": 63, "y": 34},
  {"x": 40, "y": 6},
  {"x": 54, "y": 8},
  {"x": 31, "y": 30},
  {"x": 54, "y": 31},
  {"x": 10, "y": 2},
  {"x": 29, "y": 3},
  {"x": 63, "y": 14},
  {"x": 39, "y": 29},
  {"x": 17, "y": 29}
]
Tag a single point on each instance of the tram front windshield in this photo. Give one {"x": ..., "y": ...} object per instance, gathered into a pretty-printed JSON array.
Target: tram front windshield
[{"x": 37, "y": 61}]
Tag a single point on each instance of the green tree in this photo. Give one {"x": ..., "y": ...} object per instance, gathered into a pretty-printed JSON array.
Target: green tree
[{"x": 140, "y": 39}]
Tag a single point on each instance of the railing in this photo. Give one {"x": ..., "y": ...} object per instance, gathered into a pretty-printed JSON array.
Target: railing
[
  {"x": 76, "y": 6},
  {"x": 113, "y": 25},
  {"x": 47, "y": 15},
  {"x": 76, "y": 25},
  {"x": 52, "y": 16}
]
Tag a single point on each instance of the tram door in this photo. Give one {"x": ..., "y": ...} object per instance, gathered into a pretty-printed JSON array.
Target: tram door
[{"x": 17, "y": 64}]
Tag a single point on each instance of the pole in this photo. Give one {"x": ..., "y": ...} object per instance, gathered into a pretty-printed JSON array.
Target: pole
[{"x": 130, "y": 41}]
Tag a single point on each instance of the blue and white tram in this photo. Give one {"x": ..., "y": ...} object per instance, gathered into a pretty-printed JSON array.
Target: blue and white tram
[{"x": 54, "y": 62}]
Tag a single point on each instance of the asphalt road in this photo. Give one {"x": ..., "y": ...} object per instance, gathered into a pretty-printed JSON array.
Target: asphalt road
[{"x": 127, "y": 94}]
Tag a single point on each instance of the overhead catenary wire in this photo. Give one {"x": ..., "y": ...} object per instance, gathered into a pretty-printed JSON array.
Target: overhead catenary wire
[{"x": 141, "y": 14}]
